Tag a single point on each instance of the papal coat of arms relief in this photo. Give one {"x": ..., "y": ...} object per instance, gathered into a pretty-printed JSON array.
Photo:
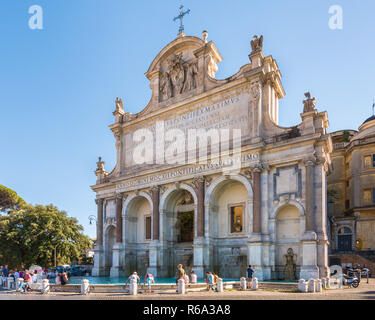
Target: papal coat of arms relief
[{"x": 179, "y": 77}]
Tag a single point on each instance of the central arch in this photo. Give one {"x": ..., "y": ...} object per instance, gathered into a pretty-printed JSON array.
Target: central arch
[
  {"x": 137, "y": 232},
  {"x": 178, "y": 227}
]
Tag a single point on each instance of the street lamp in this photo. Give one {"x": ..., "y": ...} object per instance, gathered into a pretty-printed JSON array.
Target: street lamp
[{"x": 91, "y": 218}]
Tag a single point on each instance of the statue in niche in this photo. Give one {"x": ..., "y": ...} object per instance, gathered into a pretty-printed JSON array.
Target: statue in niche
[
  {"x": 191, "y": 73},
  {"x": 257, "y": 44},
  {"x": 165, "y": 86},
  {"x": 290, "y": 260},
  {"x": 177, "y": 73},
  {"x": 238, "y": 225},
  {"x": 308, "y": 104}
]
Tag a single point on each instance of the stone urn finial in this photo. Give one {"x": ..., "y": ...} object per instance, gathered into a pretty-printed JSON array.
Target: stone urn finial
[{"x": 100, "y": 171}]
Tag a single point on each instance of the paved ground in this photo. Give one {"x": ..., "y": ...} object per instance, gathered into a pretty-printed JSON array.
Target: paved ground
[{"x": 363, "y": 292}]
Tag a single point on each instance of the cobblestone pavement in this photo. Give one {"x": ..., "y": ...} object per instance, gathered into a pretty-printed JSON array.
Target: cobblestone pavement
[{"x": 363, "y": 292}]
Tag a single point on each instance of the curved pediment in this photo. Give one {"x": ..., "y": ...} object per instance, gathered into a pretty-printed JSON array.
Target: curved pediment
[{"x": 185, "y": 45}]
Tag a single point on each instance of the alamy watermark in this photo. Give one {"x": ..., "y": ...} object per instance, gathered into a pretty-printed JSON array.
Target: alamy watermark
[
  {"x": 336, "y": 20},
  {"x": 36, "y": 20},
  {"x": 192, "y": 146}
]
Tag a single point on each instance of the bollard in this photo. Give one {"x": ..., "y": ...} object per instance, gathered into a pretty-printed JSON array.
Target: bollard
[
  {"x": 311, "y": 285},
  {"x": 19, "y": 284},
  {"x": 181, "y": 286},
  {"x": 45, "y": 286},
  {"x": 302, "y": 285},
  {"x": 133, "y": 289},
  {"x": 220, "y": 285},
  {"x": 254, "y": 284},
  {"x": 323, "y": 283},
  {"x": 318, "y": 285},
  {"x": 243, "y": 283},
  {"x": 85, "y": 287}
]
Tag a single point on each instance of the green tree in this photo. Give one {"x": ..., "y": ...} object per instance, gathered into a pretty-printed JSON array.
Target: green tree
[
  {"x": 9, "y": 199},
  {"x": 32, "y": 234}
]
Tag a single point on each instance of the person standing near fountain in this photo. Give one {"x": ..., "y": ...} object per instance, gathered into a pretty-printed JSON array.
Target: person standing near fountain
[
  {"x": 250, "y": 271},
  {"x": 149, "y": 279},
  {"x": 180, "y": 274}
]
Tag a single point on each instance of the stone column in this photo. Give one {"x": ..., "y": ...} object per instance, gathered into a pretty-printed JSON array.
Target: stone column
[
  {"x": 99, "y": 228},
  {"x": 256, "y": 201},
  {"x": 309, "y": 196},
  {"x": 255, "y": 248},
  {"x": 155, "y": 248},
  {"x": 200, "y": 207},
  {"x": 99, "y": 269},
  {"x": 119, "y": 219},
  {"x": 155, "y": 213},
  {"x": 118, "y": 254},
  {"x": 309, "y": 267},
  {"x": 200, "y": 243}
]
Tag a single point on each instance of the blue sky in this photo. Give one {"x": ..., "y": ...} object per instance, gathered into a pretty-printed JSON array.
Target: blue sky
[{"x": 58, "y": 85}]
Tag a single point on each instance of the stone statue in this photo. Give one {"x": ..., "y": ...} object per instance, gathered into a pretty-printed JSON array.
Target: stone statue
[
  {"x": 100, "y": 165},
  {"x": 255, "y": 90},
  {"x": 190, "y": 82},
  {"x": 290, "y": 265},
  {"x": 237, "y": 225},
  {"x": 257, "y": 44},
  {"x": 165, "y": 86},
  {"x": 308, "y": 104},
  {"x": 119, "y": 105},
  {"x": 177, "y": 73}
]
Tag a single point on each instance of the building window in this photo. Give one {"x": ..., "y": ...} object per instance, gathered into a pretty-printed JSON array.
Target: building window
[
  {"x": 373, "y": 160},
  {"x": 347, "y": 183},
  {"x": 347, "y": 204},
  {"x": 368, "y": 195},
  {"x": 236, "y": 219},
  {"x": 148, "y": 228}
]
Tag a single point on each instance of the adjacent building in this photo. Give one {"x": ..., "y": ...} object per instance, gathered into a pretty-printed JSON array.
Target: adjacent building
[{"x": 351, "y": 196}]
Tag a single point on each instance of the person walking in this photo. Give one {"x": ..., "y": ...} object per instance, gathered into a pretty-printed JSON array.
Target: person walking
[
  {"x": 5, "y": 274},
  {"x": 250, "y": 271},
  {"x": 149, "y": 279}
]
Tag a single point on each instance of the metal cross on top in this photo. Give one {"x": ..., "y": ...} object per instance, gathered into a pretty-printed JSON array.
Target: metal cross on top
[{"x": 181, "y": 17}]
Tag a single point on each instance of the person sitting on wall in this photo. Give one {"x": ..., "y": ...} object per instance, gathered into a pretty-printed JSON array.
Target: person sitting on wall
[{"x": 193, "y": 277}]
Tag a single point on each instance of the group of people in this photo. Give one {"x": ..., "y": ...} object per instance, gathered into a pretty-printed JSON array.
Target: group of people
[
  {"x": 30, "y": 277},
  {"x": 210, "y": 279},
  {"x": 23, "y": 273}
]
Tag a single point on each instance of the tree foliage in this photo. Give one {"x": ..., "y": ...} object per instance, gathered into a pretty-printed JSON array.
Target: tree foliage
[
  {"x": 9, "y": 199},
  {"x": 30, "y": 235}
]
